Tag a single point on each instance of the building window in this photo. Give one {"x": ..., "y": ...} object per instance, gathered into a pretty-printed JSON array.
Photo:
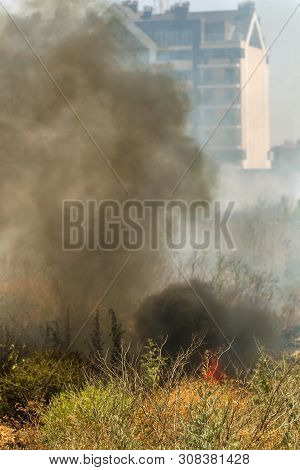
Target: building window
[
  {"x": 226, "y": 138},
  {"x": 212, "y": 117},
  {"x": 206, "y": 96},
  {"x": 232, "y": 118},
  {"x": 218, "y": 96},
  {"x": 229, "y": 75},
  {"x": 208, "y": 76},
  {"x": 214, "y": 31},
  {"x": 231, "y": 94},
  {"x": 166, "y": 56},
  {"x": 172, "y": 37},
  {"x": 221, "y": 55},
  {"x": 219, "y": 76},
  {"x": 182, "y": 74}
]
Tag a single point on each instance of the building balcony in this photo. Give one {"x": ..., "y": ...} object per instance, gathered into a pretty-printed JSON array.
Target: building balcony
[
  {"x": 219, "y": 85},
  {"x": 218, "y": 96},
  {"x": 214, "y": 37},
  {"x": 219, "y": 65},
  {"x": 210, "y": 128},
  {"x": 219, "y": 106},
  {"x": 221, "y": 137}
]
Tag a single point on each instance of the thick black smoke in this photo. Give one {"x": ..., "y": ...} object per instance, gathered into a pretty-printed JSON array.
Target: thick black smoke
[{"x": 182, "y": 312}]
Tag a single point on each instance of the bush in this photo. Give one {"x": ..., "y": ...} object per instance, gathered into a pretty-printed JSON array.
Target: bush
[
  {"x": 188, "y": 413},
  {"x": 33, "y": 381},
  {"x": 97, "y": 417},
  {"x": 152, "y": 404},
  {"x": 275, "y": 395},
  {"x": 264, "y": 414},
  {"x": 9, "y": 356}
]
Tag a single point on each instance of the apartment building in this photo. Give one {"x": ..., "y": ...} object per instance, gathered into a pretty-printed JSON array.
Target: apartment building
[
  {"x": 221, "y": 59},
  {"x": 136, "y": 46}
]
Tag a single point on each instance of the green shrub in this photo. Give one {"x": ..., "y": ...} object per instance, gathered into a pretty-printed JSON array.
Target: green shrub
[
  {"x": 275, "y": 388},
  {"x": 206, "y": 424},
  {"x": 152, "y": 364},
  {"x": 97, "y": 417},
  {"x": 264, "y": 414},
  {"x": 34, "y": 380},
  {"x": 9, "y": 356},
  {"x": 136, "y": 409}
]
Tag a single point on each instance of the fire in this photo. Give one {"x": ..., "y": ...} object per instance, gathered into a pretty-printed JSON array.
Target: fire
[{"x": 214, "y": 371}]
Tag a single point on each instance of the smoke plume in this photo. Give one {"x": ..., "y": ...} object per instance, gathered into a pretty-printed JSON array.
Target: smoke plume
[
  {"x": 85, "y": 120},
  {"x": 181, "y": 313},
  {"x": 75, "y": 122}
]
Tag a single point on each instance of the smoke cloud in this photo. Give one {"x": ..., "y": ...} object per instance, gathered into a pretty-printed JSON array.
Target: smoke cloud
[
  {"x": 181, "y": 313},
  {"x": 135, "y": 114},
  {"x": 104, "y": 127}
]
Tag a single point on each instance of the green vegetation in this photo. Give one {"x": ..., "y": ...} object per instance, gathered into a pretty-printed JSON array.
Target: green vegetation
[
  {"x": 189, "y": 413},
  {"x": 150, "y": 402},
  {"x": 30, "y": 382},
  {"x": 84, "y": 419}
]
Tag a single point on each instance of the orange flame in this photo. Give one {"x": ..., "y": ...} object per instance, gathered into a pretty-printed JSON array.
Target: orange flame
[{"x": 214, "y": 371}]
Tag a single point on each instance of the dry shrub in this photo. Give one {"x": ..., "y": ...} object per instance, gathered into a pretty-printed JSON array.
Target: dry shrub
[{"x": 176, "y": 411}]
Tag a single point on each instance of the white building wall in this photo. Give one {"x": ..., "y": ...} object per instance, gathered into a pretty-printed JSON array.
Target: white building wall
[{"x": 255, "y": 108}]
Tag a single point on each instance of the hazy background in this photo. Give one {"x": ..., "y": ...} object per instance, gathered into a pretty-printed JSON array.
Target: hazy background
[{"x": 284, "y": 59}]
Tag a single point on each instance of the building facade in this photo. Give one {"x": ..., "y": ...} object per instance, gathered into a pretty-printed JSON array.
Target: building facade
[
  {"x": 136, "y": 46},
  {"x": 221, "y": 59}
]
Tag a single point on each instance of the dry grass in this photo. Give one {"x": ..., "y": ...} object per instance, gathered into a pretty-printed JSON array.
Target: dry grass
[
  {"x": 127, "y": 412},
  {"x": 148, "y": 402}
]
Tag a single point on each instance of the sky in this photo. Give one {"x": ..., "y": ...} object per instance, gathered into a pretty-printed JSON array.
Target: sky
[{"x": 284, "y": 59}]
